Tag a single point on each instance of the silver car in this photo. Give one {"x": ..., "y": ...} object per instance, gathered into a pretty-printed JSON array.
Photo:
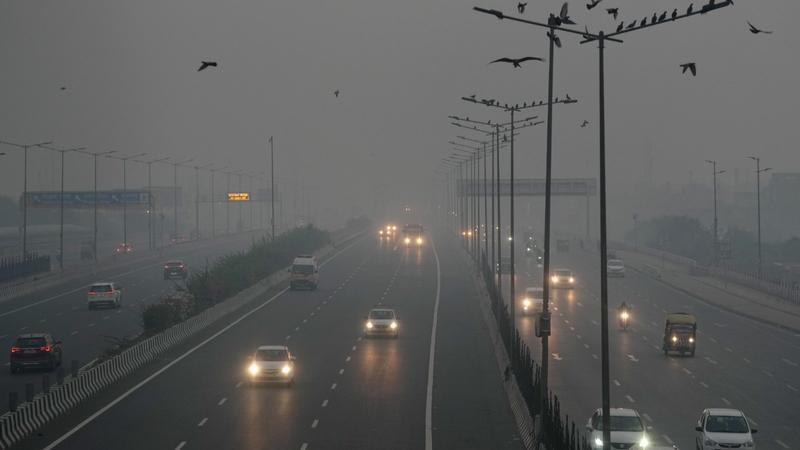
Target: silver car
[{"x": 271, "y": 364}]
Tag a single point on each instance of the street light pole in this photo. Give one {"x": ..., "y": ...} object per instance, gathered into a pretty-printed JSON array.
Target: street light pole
[
  {"x": 94, "y": 199},
  {"x": 150, "y": 235},
  {"x": 758, "y": 209},
  {"x": 716, "y": 224},
  {"x": 125, "y": 193},
  {"x": 272, "y": 182},
  {"x": 175, "y": 193},
  {"x": 61, "y": 202}
]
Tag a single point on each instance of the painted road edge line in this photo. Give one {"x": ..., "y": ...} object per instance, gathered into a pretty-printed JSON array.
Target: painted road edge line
[{"x": 431, "y": 354}]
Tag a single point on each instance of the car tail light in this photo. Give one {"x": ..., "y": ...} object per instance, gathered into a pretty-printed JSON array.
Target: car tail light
[
  {"x": 15, "y": 349},
  {"x": 92, "y": 293},
  {"x": 45, "y": 348}
]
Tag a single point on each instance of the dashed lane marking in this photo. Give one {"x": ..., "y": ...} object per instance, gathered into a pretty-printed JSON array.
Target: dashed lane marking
[
  {"x": 726, "y": 401},
  {"x": 239, "y": 384},
  {"x": 666, "y": 438},
  {"x": 202, "y": 422},
  {"x": 347, "y": 359},
  {"x": 304, "y": 446},
  {"x": 792, "y": 388},
  {"x": 325, "y": 403},
  {"x": 74, "y": 333},
  {"x": 702, "y": 383},
  {"x": 333, "y": 386},
  {"x": 180, "y": 445},
  {"x": 781, "y": 443},
  {"x": 747, "y": 360},
  {"x": 354, "y": 348},
  {"x": 341, "y": 371},
  {"x": 647, "y": 417},
  {"x": 617, "y": 383},
  {"x": 630, "y": 399},
  {"x": 557, "y": 357},
  {"x": 767, "y": 372},
  {"x": 633, "y": 358},
  {"x": 222, "y": 401},
  {"x": 594, "y": 356},
  {"x": 315, "y": 423},
  {"x": 789, "y": 362}
]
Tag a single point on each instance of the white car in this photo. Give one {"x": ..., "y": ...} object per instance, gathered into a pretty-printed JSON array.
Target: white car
[
  {"x": 722, "y": 428},
  {"x": 533, "y": 301},
  {"x": 271, "y": 364},
  {"x": 562, "y": 278},
  {"x": 615, "y": 268},
  {"x": 382, "y": 321},
  {"x": 627, "y": 430},
  {"x": 104, "y": 294}
]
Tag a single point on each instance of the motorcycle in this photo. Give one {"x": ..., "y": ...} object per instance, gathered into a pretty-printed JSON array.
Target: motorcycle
[{"x": 624, "y": 319}]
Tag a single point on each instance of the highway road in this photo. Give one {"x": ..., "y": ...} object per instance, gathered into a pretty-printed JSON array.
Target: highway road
[
  {"x": 61, "y": 310},
  {"x": 350, "y": 392},
  {"x": 740, "y": 363}
]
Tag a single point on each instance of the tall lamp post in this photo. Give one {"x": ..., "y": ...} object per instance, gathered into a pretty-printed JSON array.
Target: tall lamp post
[
  {"x": 94, "y": 198},
  {"x": 61, "y": 201},
  {"x": 151, "y": 241},
  {"x": 758, "y": 208},
  {"x": 25, "y": 148},
  {"x": 175, "y": 193},
  {"x": 272, "y": 182},
  {"x": 714, "y": 172},
  {"x": 124, "y": 160},
  {"x": 213, "y": 201},
  {"x": 197, "y": 198}
]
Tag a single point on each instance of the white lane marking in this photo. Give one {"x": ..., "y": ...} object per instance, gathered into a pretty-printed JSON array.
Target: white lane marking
[
  {"x": 747, "y": 360},
  {"x": 586, "y": 345},
  {"x": 710, "y": 361},
  {"x": 304, "y": 446},
  {"x": 666, "y": 438},
  {"x": 288, "y": 336},
  {"x": 180, "y": 446},
  {"x": 728, "y": 349},
  {"x": 594, "y": 356},
  {"x": 222, "y": 401},
  {"x": 239, "y": 384},
  {"x": 315, "y": 423},
  {"x": 557, "y": 357},
  {"x": 347, "y": 359},
  {"x": 202, "y": 344},
  {"x": 333, "y": 386},
  {"x": 297, "y": 328},
  {"x": 791, "y": 387},
  {"x": 578, "y": 336},
  {"x": 325, "y": 403},
  {"x": 645, "y": 338},
  {"x": 726, "y": 401},
  {"x": 341, "y": 371},
  {"x": 633, "y": 358},
  {"x": 647, "y": 417},
  {"x": 688, "y": 372},
  {"x": 90, "y": 325},
  {"x": 305, "y": 320},
  {"x": 617, "y": 383},
  {"x": 789, "y": 362},
  {"x": 43, "y": 320},
  {"x": 630, "y": 399},
  {"x": 712, "y": 339},
  {"x": 202, "y": 422},
  {"x": 656, "y": 347},
  {"x": 431, "y": 354},
  {"x": 74, "y": 333},
  {"x": 354, "y": 348},
  {"x": 359, "y": 338},
  {"x": 24, "y": 328},
  {"x": 571, "y": 328},
  {"x": 781, "y": 443},
  {"x": 702, "y": 383},
  {"x": 767, "y": 372}
]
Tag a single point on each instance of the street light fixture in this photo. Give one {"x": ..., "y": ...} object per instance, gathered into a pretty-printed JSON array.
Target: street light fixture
[
  {"x": 197, "y": 198},
  {"x": 715, "y": 172},
  {"x": 151, "y": 241},
  {"x": 175, "y": 166},
  {"x": 94, "y": 198},
  {"x": 124, "y": 160},
  {"x": 25, "y": 148},
  {"x": 61, "y": 201},
  {"x": 758, "y": 208}
]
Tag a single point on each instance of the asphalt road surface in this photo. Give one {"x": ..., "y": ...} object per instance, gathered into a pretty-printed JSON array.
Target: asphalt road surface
[
  {"x": 740, "y": 363},
  {"x": 350, "y": 392}
]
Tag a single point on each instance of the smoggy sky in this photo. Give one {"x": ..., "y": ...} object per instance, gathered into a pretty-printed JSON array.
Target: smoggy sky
[{"x": 130, "y": 72}]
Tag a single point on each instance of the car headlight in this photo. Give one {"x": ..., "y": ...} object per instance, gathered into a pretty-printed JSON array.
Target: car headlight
[
  {"x": 674, "y": 338},
  {"x": 644, "y": 442},
  {"x": 571, "y": 280},
  {"x": 369, "y": 325},
  {"x": 691, "y": 340},
  {"x": 554, "y": 279},
  {"x": 393, "y": 325},
  {"x": 624, "y": 315},
  {"x": 253, "y": 369},
  {"x": 598, "y": 442},
  {"x": 286, "y": 369},
  {"x": 380, "y": 232},
  {"x": 407, "y": 241},
  {"x": 526, "y": 303},
  {"x": 709, "y": 442},
  {"x": 419, "y": 240},
  {"x": 748, "y": 444}
]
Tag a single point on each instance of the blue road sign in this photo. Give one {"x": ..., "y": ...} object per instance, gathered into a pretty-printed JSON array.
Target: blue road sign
[{"x": 86, "y": 199}]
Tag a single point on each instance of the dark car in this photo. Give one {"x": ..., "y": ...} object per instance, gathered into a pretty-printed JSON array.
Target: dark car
[
  {"x": 175, "y": 269},
  {"x": 35, "y": 350}
]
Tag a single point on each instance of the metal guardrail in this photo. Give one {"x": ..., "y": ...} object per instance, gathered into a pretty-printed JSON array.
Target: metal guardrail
[{"x": 16, "y": 267}]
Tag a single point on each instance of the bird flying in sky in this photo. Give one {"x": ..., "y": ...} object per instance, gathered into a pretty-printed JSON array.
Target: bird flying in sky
[
  {"x": 521, "y": 7},
  {"x": 613, "y": 11},
  {"x": 336, "y": 93},
  {"x": 592, "y": 4},
  {"x": 689, "y": 66},
  {"x": 755, "y": 30},
  {"x": 518, "y": 61},
  {"x": 585, "y": 122},
  {"x": 206, "y": 64}
]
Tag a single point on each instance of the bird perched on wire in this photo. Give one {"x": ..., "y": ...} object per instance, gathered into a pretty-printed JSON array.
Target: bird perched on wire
[
  {"x": 621, "y": 25},
  {"x": 521, "y": 7},
  {"x": 585, "y": 122},
  {"x": 690, "y": 8},
  {"x": 654, "y": 19},
  {"x": 556, "y": 39},
  {"x": 563, "y": 16},
  {"x": 691, "y": 67},
  {"x": 592, "y": 4},
  {"x": 206, "y": 64},
  {"x": 662, "y": 17},
  {"x": 613, "y": 11},
  {"x": 674, "y": 13},
  {"x": 336, "y": 93},
  {"x": 755, "y": 30},
  {"x": 518, "y": 61}
]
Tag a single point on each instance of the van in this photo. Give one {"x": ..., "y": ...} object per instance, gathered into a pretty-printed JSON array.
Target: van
[{"x": 304, "y": 273}]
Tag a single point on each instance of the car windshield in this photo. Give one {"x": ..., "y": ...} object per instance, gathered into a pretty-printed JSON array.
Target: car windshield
[
  {"x": 619, "y": 423},
  {"x": 272, "y": 355},
  {"x": 304, "y": 269},
  {"x": 726, "y": 424},
  {"x": 174, "y": 264},
  {"x": 100, "y": 288},
  {"x": 30, "y": 342},
  {"x": 563, "y": 273},
  {"x": 381, "y": 314}
]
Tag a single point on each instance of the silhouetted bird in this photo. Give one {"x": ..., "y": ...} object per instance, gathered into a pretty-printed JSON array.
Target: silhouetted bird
[
  {"x": 472, "y": 96},
  {"x": 555, "y": 100},
  {"x": 568, "y": 98},
  {"x": 564, "y": 14},
  {"x": 662, "y": 17},
  {"x": 592, "y": 4},
  {"x": 336, "y": 93},
  {"x": 539, "y": 122},
  {"x": 206, "y": 64},
  {"x": 631, "y": 25},
  {"x": 521, "y": 7},
  {"x": 619, "y": 28},
  {"x": 674, "y": 13},
  {"x": 690, "y": 8},
  {"x": 690, "y": 66},
  {"x": 707, "y": 7},
  {"x": 643, "y": 22},
  {"x": 613, "y": 11},
  {"x": 755, "y": 30},
  {"x": 585, "y": 122},
  {"x": 63, "y": 88},
  {"x": 517, "y": 62},
  {"x": 556, "y": 39},
  {"x": 654, "y": 19}
]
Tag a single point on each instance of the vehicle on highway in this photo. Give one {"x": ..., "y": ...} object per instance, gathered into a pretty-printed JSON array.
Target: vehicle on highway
[
  {"x": 304, "y": 273},
  {"x": 104, "y": 294},
  {"x": 381, "y": 322},
  {"x": 724, "y": 428},
  {"x": 175, "y": 269},
  {"x": 627, "y": 430},
  {"x": 413, "y": 235},
  {"x": 533, "y": 300},
  {"x": 272, "y": 364},
  {"x": 123, "y": 249},
  {"x": 615, "y": 268},
  {"x": 562, "y": 278},
  {"x": 387, "y": 232},
  {"x": 680, "y": 333},
  {"x": 35, "y": 350}
]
